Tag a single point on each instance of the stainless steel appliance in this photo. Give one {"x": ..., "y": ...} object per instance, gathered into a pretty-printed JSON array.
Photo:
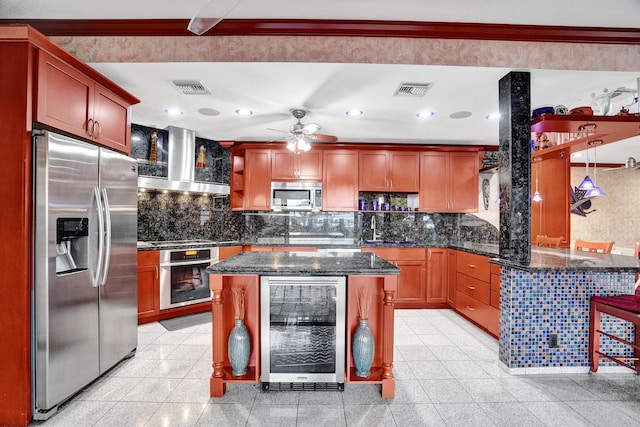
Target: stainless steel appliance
[
  {"x": 84, "y": 301},
  {"x": 183, "y": 276},
  {"x": 296, "y": 196},
  {"x": 302, "y": 332}
]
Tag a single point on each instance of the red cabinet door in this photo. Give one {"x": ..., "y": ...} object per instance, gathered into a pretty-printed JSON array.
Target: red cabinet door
[
  {"x": 64, "y": 96},
  {"x": 452, "y": 269},
  {"x": 411, "y": 283},
  {"x": 372, "y": 174},
  {"x": 463, "y": 182},
  {"x": 310, "y": 166},
  {"x": 404, "y": 171},
  {"x": 282, "y": 165},
  {"x": 434, "y": 182},
  {"x": 437, "y": 273},
  {"x": 257, "y": 173},
  {"x": 111, "y": 118},
  {"x": 340, "y": 183}
]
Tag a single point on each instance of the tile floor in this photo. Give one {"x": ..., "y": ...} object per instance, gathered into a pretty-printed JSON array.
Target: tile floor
[{"x": 447, "y": 373}]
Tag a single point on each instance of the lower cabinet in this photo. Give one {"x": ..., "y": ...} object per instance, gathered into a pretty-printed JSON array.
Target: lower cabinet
[
  {"x": 474, "y": 295},
  {"x": 452, "y": 269},
  {"x": 437, "y": 276},
  {"x": 148, "y": 284}
]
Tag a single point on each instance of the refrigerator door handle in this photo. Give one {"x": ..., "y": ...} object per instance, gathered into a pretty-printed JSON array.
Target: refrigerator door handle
[
  {"x": 107, "y": 239},
  {"x": 99, "y": 207}
]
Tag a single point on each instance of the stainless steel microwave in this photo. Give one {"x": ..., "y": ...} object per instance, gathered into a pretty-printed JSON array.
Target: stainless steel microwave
[{"x": 296, "y": 196}]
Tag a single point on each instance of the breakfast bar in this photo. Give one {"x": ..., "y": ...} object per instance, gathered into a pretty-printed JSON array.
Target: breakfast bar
[
  {"x": 362, "y": 271},
  {"x": 544, "y": 308}
]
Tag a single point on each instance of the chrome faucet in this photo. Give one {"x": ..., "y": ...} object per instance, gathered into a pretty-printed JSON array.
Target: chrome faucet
[{"x": 373, "y": 227}]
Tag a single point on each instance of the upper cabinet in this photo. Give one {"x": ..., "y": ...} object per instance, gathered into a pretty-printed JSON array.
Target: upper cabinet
[
  {"x": 69, "y": 100},
  {"x": 449, "y": 181},
  {"x": 257, "y": 175},
  {"x": 289, "y": 166},
  {"x": 340, "y": 180},
  {"x": 385, "y": 170}
]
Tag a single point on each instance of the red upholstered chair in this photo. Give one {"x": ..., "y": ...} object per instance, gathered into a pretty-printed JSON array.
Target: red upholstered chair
[{"x": 626, "y": 307}]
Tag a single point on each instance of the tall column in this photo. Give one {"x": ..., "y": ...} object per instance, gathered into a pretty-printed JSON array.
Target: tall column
[{"x": 515, "y": 166}]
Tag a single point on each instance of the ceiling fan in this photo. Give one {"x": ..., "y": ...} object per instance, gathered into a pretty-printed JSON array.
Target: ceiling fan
[
  {"x": 210, "y": 15},
  {"x": 301, "y": 135},
  {"x": 630, "y": 163}
]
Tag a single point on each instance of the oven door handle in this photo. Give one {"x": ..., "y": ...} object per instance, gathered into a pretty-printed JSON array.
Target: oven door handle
[{"x": 177, "y": 264}]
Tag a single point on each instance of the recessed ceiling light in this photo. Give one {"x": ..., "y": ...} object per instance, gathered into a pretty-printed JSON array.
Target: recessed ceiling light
[
  {"x": 243, "y": 112},
  {"x": 424, "y": 114},
  {"x": 173, "y": 111},
  {"x": 460, "y": 115},
  {"x": 354, "y": 113},
  {"x": 208, "y": 112},
  {"x": 492, "y": 116}
]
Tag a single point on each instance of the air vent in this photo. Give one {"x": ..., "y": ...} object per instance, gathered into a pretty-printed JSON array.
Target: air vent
[
  {"x": 190, "y": 87},
  {"x": 413, "y": 89}
]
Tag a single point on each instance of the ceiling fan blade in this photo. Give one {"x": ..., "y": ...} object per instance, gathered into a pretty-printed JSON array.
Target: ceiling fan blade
[
  {"x": 310, "y": 128},
  {"x": 210, "y": 15},
  {"x": 277, "y": 130},
  {"x": 316, "y": 137}
]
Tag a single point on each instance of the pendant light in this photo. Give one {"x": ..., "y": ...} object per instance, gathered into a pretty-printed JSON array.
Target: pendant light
[
  {"x": 595, "y": 191},
  {"x": 536, "y": 195},
  {"x": 586, "y": 183}
]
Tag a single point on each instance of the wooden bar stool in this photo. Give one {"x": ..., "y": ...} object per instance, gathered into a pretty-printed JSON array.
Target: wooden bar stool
[
  {"x": 596, "y": 247},
  {"x": 625, "y": 307},
  {"x": 548, "y": 242}
]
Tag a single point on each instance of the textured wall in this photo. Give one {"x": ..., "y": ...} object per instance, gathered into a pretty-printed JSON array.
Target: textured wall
[{"x": 615, "y": 216}]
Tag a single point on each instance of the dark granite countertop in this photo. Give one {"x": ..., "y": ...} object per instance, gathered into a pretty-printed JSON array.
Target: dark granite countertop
[
  {"x": 568, "y": 259},
  {"x": 305, "y": 263}
]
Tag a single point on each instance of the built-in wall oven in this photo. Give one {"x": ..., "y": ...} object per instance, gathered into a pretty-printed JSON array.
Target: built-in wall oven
[
  {"x": 302, "y": 332},
  {"x": 183, "y": 276}
]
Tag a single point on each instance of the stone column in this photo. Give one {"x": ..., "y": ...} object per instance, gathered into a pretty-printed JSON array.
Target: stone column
[{"x": 515, "y": 166}]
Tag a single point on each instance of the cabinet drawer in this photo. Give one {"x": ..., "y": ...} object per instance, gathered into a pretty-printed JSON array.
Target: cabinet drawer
[
  {"x": 148, "y": 257},
  {"x": 474, "y": 265},
  {"x": 495, "y": 299},
  {"x": 474, "y": 288},
  {"x": 483, "y": 314}
]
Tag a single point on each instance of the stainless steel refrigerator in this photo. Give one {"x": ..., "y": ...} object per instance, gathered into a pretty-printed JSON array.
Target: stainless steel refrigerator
[{"x": 84, "y": 301}]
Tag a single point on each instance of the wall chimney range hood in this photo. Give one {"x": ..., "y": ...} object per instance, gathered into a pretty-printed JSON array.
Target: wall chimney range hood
[{"x": 180, "y": 168}]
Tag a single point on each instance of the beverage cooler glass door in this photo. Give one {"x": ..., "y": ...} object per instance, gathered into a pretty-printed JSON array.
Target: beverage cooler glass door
[{"x": 302, "y": 329}]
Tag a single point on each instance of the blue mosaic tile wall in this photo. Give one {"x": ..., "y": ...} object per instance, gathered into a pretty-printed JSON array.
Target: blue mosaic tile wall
[{"x": 536, "y": 304}]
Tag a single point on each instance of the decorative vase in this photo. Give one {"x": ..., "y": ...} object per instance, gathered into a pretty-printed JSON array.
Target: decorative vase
[
  {"x": 363, "y": 346},
  {"x": 239, "y": 348}
]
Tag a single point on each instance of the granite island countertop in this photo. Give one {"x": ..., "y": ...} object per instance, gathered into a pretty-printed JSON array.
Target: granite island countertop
[
  {"x": 304, "y": 263},
  {"x": 569, "y": 259}
]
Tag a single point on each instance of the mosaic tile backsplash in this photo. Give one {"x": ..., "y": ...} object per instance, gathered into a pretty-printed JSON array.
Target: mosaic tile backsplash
[{"x": 537, "y": 304}]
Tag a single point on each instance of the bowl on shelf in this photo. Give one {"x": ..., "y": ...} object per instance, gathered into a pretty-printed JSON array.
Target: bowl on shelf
[{"x": 545, "y": 109}]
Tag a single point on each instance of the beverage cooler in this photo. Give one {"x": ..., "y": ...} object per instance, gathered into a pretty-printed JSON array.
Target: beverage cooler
[{"x": 302, "y": 332}]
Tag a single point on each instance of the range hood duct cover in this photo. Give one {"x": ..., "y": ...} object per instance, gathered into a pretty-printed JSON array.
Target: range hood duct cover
[{"x": 180, "y": 167}]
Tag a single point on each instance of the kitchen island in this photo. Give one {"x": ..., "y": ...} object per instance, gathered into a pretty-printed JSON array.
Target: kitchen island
[
  {"x": 362, "y": 271},
  {"x": 544, "y": 308}
]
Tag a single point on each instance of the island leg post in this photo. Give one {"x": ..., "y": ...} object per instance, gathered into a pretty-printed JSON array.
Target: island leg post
[
  {"x": 388, "y": 381},
  {"x": 217, "y": 385}
]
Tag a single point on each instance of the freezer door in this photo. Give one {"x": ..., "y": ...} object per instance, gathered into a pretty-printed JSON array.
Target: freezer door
[
  {"x": 119, "y": 280},
  {"x": 65, "y": 304}
]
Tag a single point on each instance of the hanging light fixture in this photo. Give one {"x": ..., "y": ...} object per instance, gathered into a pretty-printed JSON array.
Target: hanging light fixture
[
  {"x": 595, "y": 191},
  {"x": 298, "y": 144},
  {"x": 536, "y": 195},
  {"x": 586, "y": 184}
]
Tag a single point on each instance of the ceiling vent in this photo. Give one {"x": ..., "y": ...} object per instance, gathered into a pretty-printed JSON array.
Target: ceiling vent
[
  {"x": 413, "y": 89},
  {"x": 190, "y": 87}
]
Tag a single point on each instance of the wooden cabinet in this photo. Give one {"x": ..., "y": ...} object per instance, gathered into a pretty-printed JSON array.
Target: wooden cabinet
[
  {"x": 452, "y": 267},
  {"x": 148, "y": 284},
  {"x": 72, "y": 102},
  {"x": 473, "y": 291},
  {"x": 383, "y": 170},
  {"x": 551, "y": 216},
  {"x": 228, "y": 251},
  {"x": 412, "y": 286},
  {"x": 340, "y": 180},
  {"x": 437, "y": 274},
  {"x": 495, "y": 285},
  {"x": 257, "y": 175},
  {"x": 289, "y": 166},
  {"x": 448, "y": 181}
]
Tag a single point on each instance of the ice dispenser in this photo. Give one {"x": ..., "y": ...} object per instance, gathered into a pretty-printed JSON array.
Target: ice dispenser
[{"x": 72, "y": 245}]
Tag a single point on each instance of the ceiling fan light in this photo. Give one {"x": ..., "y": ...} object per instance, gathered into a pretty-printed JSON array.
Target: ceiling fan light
[{"x": 586, "y": 184}]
